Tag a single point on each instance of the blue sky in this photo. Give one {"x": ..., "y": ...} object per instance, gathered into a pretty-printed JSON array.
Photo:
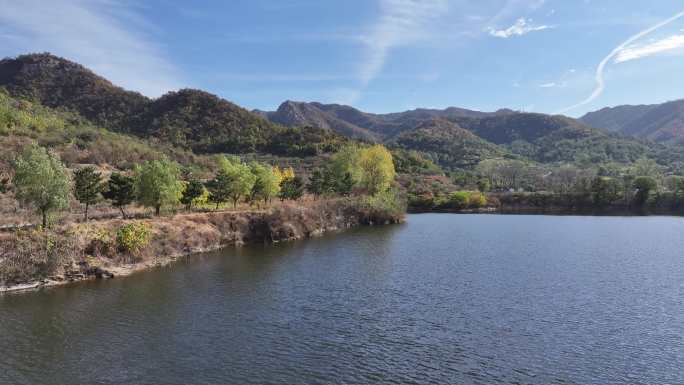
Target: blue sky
[{"x": 378, "y": 55}]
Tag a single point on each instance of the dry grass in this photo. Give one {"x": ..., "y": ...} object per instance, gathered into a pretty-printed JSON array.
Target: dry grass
[{"x": 86, "y": 247}]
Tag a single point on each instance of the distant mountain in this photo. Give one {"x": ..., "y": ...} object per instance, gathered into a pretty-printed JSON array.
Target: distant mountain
[
  {"x": 352, "y": 122},
  {"x": 293, "y": 114},
  {"x": 448, "y": 144},
  {"x": 442, "y": 133},
  {"x": 187, "y": 118},
  {"x": 657, "y": 122}
]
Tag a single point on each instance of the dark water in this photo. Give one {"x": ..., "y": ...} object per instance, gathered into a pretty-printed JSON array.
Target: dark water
[{"x": 442, "y": 299}]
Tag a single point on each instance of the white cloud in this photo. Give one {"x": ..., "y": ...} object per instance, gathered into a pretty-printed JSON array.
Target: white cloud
[
  {"x": 401, "y": 22},
  {"x": 105, "y": 36},
  {"x": 600, "y": 81},
  {"x": 634, "y": 52},
  {"x": 521, "y": 27}
]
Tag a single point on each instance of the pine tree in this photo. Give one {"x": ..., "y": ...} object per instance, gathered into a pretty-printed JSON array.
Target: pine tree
[
  {"x": 120, "y": 191},
  {"x": 87, "y": 187}
]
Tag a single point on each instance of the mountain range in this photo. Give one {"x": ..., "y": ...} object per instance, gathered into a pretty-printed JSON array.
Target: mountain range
[
  {"x": 454, "y": 137},
  {"x": 460, "y": 138},
  {"x": 657, "y": 122}
]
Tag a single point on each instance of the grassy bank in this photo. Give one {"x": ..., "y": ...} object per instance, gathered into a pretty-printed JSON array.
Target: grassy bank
[{"x": 114, "y": 247}]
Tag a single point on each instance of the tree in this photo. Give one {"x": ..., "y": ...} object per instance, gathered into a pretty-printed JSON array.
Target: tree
[
  {"x": 41, "y": 180},
  {"x": 291, "y": 188},
  {"x": 87, "y": 187},
  {"x": 316, "y": 185},
  {"x": 120, "y": 191},
  {"x": 193, "y": 190},
  {"x": 345, "y": 186},
  {"x": 646, "y": 167},
  {"x": 157, "y": 184},
  {"x": 643, "y": 185},
  {"x": 675, "y": 184},
  {"x": 345, "y": 163},
  {"x": 459, "y": 200},
  {"x": 266, "y": 185},
  {"x": 219, "y": 188},
  {"x": 605, "y": 191},
  {"x": 483, "y": 185},
  {"x": 240, "y": 180},
  {"x": 377, "y": 169}
]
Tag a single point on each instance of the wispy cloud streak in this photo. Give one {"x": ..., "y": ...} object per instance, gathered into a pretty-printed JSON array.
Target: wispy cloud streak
[
  {"x": 668, "y": 44},
  {"x": 401, "y": 22},
  {"x": 600, "y": 81}
]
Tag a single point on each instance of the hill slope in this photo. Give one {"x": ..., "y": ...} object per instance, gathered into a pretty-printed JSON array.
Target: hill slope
[
  {"x": 447, "y": 144},
  {"x": 554, "y": 138},
  {"x": 191, "y": 119},
  {"x": 658, "y": 122},
  {"x": 539, "y": 137},
  {"x": 352, "y": 122}
]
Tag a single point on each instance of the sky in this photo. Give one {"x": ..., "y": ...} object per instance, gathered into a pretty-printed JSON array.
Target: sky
[{"x": 550, "y": 56}]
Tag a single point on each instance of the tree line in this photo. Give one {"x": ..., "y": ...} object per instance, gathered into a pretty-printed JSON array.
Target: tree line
[
  {"x": 643, "y": 184},
  {"x": 43, "y": 181}
]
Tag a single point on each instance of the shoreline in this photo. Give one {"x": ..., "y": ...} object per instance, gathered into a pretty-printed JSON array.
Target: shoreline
[
  {"x": 618, "y": 212},
  {"x": 185, "y": 235}
]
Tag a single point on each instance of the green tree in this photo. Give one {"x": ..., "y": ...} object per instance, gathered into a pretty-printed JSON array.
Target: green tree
[
  {"x": 41, "y": 180},
  {"x": 345, "y": 164},
  {"x": 240, "y": 179},
  {"x": 644, "y": 186},
  {"x": 483, "y": 185},
  {"x": 675, "y": 184},
  {"x": 377, "y": 169},
  {"x": 646, "y": 167},
  {"x": 193, "y": 190},
  {"x": 459, "y": 200},
  {"x": 120, "y": 191},
  {"x": 605, "y": 191},
  {"x": 345, "y": 185},
  {"x": 157, "y": 184},
  {"x": 219, "y": 188},
  {"x": 316, "y": 185},
  {"x": 266, "y": 185},
  {"x": 291, "y": 188},
  {"x": 87, "y": 187}
]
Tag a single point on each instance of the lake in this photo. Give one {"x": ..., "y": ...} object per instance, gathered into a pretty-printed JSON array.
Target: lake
[{"x": 473, "y": 299}]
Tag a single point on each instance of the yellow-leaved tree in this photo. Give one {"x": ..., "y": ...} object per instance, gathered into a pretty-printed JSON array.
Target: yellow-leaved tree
[{"x": 377, "y": 169}]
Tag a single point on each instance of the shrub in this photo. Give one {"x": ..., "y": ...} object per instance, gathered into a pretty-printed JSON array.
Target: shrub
[
  {"x": 28, "y": 255},
  {"x": 132, "y": 237},
  {"x": 384, "y": 207},
  {"x": 477, "y": 200},
  {"x": 459, "y": 199}
]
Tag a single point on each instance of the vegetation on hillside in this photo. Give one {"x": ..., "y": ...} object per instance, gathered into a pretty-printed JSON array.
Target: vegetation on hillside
[{"x": 188, "y": 119}]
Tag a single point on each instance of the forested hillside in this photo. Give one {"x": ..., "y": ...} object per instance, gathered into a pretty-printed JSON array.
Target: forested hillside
[
  {"x": 658, "y": 122},
  {"x": 546, "y": 139},
  {"x": 448, "y": 144},
  {"x": 190, "y": 119}
]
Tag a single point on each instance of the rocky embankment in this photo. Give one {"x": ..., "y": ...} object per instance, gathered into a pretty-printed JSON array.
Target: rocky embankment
[{"x": 32, "y": 259}]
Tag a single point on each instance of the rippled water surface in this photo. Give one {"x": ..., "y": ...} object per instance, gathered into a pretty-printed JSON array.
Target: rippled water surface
[{"x": 442, "y": 299}]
